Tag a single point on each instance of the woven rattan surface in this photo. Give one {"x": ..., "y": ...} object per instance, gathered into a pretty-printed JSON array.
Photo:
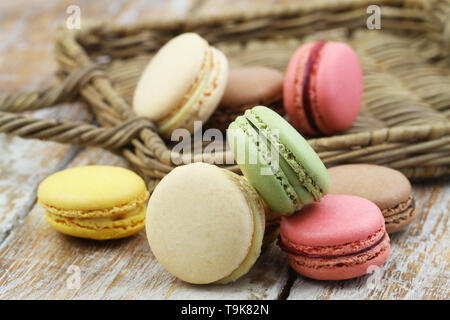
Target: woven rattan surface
[{"x": 405, "y": 118}]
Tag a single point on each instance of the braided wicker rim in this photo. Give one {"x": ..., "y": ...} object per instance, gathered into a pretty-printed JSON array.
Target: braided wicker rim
[{"x": 405, "y": 120}]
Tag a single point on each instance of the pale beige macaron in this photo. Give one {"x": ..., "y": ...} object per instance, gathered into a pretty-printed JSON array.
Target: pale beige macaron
[
  {"x": 184, "y": 82},
  {"x": 205, "y": 224}
]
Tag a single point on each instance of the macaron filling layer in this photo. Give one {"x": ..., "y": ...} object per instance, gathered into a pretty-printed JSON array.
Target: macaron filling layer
[
  {"x": 305, "y": 180},
  {"x": 115, "y": 210},
  {"x": 191, "y": 96},
  {"x": 203, "y": 87},
  {"x": 263, "y": 150},
  {"x": 400, "y": 215},
  {"x": 400, "y": 208},
  {"x": 361, "y": 257},
  {"x": 101, "y": 228},
  {"x": 346, "y": 249},
  {"x": 257, "y": 209},
  {"x": 306, "y": 99},
  {"x": 131, "y": 218}
]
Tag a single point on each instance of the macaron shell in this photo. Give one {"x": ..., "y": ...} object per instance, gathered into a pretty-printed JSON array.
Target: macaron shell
[
  {"x": 212, "y": 96},
  {"x": 384, "y": 186},
  {"x": 338, "y": 87},
  {"x": 347, "y": 268},
  {"x": 336, "y": 220},
  {"x": 304, "y": 196},
  {"x": 204, "y": 101},
  {"x": 292, "y": 89},
  {"x": 100, "y": 228},
  {"x": 268, "y": 186},
  {"x": 199, "y": 224},
  {"x": 252, "y": 85},
  {"x": 337, "y": 250},
  {"x": 341, "y": 237},
  {"x": 257, "y": 206},
  {"x": 89, "y": 188},
  {"x": 169, "y": 76},
  {"x": 298, "y": 146}
]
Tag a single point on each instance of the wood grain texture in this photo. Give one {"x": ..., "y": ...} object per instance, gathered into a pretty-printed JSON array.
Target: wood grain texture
[{"x": 24, "y": 163}]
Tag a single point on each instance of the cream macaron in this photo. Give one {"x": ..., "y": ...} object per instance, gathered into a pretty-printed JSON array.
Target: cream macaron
[
  {"x": 205, "y": 224},
  {"x": 183, "y": 83}
]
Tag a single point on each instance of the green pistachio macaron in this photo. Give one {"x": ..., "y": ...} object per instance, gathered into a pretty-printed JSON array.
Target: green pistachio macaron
[{"x": 277, "y": 160}]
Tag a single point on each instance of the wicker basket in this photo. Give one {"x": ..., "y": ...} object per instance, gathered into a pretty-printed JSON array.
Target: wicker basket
[{"x": 404, "y": 122}]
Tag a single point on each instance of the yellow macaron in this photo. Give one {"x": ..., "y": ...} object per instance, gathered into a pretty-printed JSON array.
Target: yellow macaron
[{"x": 95, "y": 202}]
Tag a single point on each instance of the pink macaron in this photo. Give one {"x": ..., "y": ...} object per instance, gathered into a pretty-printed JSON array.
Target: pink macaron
[
  {"x": 323, "y": 87},
  {"x": 341, "y": 237}
]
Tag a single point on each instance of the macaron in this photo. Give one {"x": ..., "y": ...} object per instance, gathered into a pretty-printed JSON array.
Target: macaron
[
  {"x": 252, "y": 85},
  {"x": 277, "y": 160},
  {"x": 388, "y": 188},
  {"x": 341, "y": 237},
  {"x": 248, "y": 86},
  {"x": 183, "y": 83},
  {"x": 95, "y": 202},
  {"x": 205, "y": 224},
  {"x": 323, "y": 88}
]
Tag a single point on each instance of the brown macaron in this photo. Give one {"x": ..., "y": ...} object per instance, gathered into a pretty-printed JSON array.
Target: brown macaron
[
  {"x": 248, "y": 86},
  {"x": 389, "y": 189},
  {"x": 252, "y": 85}
]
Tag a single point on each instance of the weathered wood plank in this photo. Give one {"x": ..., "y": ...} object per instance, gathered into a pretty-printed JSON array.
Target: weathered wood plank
[
  {"x": 35, "y": 260},
  {"x": 26, "y": 63},
  {"x": 419, "y": 264},
  {"x": 24, "y": 163},
  {"x": 121, "y": 269}
]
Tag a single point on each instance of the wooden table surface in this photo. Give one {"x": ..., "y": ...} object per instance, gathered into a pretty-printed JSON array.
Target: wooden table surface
[{"x": 37, "y": 262}]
